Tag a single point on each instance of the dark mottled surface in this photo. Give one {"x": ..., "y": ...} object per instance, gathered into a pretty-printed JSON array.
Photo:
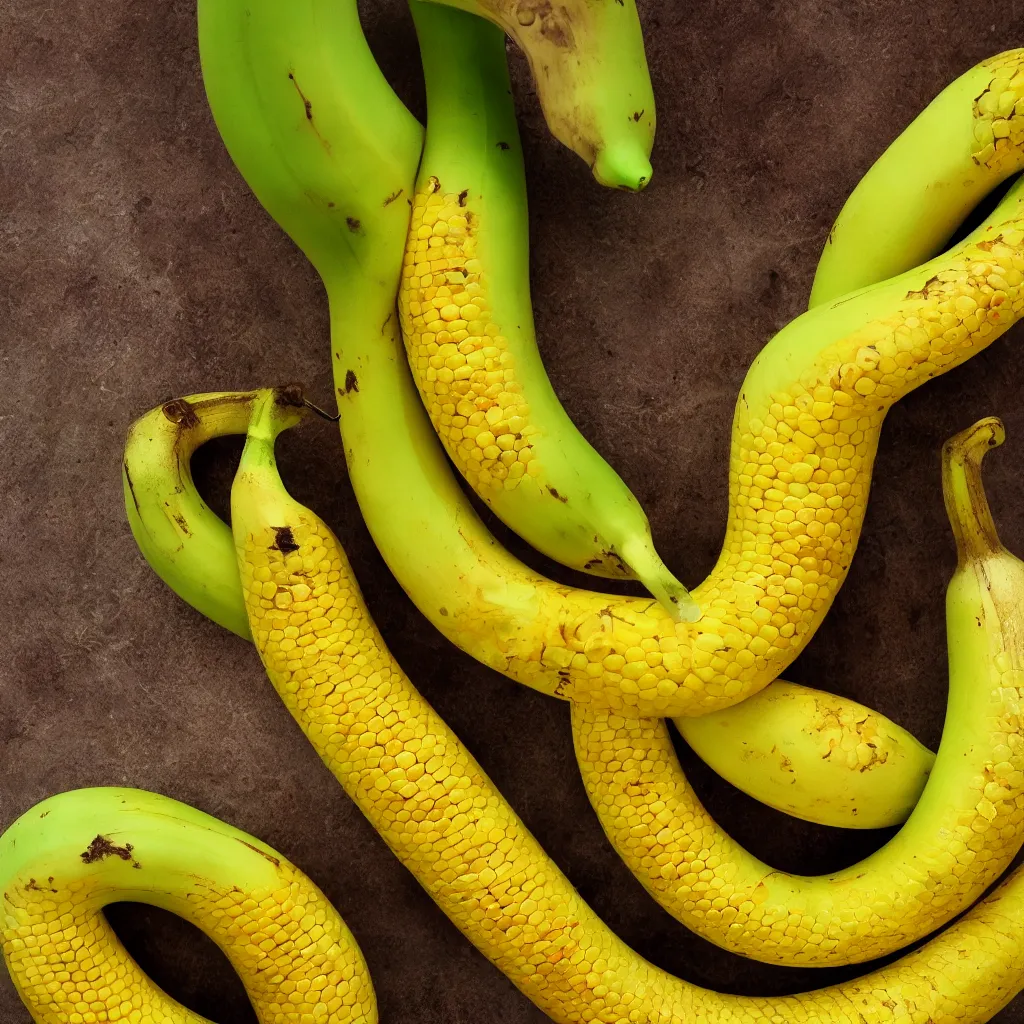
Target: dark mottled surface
[{"x": 136, "y": 266}]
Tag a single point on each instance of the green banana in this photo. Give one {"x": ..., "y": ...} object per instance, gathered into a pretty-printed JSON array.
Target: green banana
[
  {"x": 68, "y": 857},
  {"x": 797, "y": 749},
  {"x": 590, "y": 70},
  {"x": 467, "y": 321},
  {"x": 904, "y": 210},
  {"x": 172, "y": 525},
  {"x": 963, "y": 832}
]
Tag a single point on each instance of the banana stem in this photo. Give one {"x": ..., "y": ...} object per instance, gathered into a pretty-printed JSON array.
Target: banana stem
[
  {"x": 274, "y": 411},
  {"x": 964, "y": 494}
]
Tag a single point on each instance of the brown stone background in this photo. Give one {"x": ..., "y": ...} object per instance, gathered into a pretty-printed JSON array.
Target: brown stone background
[{"x": 135, "y": 266}]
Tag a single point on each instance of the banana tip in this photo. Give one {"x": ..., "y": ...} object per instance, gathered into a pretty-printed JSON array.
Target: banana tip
[{"x": 626, "y": 169}]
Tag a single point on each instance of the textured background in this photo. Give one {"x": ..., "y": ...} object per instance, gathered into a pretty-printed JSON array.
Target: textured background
[{"x": 135, "y": 266}]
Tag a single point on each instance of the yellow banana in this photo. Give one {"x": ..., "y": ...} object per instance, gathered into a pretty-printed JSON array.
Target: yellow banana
[
  {"x": 795, "y": 748},
  {"x": 588, "y": 64},
  {"x": 904, "y": 210},
  {"x": 962, "y": 834},
  {"x": 468, "y": 324},
  {"x": 71, "y": 855},
  {"x": 805, "y": 433},
  {"x": 440, "y": 814},
  {"x": 814, "y": 755}
]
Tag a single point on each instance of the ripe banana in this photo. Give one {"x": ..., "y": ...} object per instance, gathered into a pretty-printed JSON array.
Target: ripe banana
[
  {"x": 588, "y": 64},
  {"x": 797, "y": 749},
  {"x": 814, "y": 755},
  {"x": 68, "y": 857},
  {"x": 904, "y": 210},
  {"x": 467, "y": 321},
  {"x": 806, "y": 430},
  {"x": 962, "y": 834},
  {"x": 440, "y": 814}
]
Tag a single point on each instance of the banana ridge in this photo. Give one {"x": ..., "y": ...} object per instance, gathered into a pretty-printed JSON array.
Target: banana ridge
[
  {"x": 71, "y": 855},
  {"x": 436, "y": 809}
]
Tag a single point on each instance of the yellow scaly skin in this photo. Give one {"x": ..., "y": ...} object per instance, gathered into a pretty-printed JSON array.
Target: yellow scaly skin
[
  {"x": 590, "y": 70},
  {"x": 904, "y": 210},
  {"x": 962, "y": 834},
  {"x": 467, "y": 321},
  {"x": 804, "y": 436},
  {"x": 71, "y": 855},
  {"x": 440, "y": 814},
  {"x": 797, "y": 749}
]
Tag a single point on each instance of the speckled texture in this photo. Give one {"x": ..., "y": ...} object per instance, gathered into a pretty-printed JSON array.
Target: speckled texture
[
  {"x": 136, "y": 267},
  {"x": 462, "y": 363}
]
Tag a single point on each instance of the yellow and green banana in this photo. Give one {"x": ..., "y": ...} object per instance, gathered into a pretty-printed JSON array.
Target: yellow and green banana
[
  {"x": 820, "y": 757},
  {"x": 805, "y": 433},
  {"x": 467, "y": 321},
  {"x": 590, "y": 71},
  {"x": 437, "y": 810},
  {"x": 962, "y": 834},
  {"x": 968, "y": 140},
  {"x": 68, "y": 857}
]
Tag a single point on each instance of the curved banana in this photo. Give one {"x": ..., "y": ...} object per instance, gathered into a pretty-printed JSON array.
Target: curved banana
[
  {"x": 172, "y": 525},
  {"x": 804, "y": 437},
  {"x": 904, "y": 210},
  {"x": 467, "y": 321},
  {"x": 806, "y": 430},
  {"x": 588, "y": 64},
  {"x": 962, "y": 834},
  {"x": 437, "y": 810},
  {"x": 815, "y": 755},
  {"x": 71, "y": 855}
]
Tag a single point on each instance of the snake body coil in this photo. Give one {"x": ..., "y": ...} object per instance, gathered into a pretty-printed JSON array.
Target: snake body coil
[{"x": 437, "y": 810}]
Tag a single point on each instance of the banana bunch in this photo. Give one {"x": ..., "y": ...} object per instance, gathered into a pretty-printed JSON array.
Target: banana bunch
[
  {"x": 340, "y": 163},
  {"x": 437, "y": 810}
]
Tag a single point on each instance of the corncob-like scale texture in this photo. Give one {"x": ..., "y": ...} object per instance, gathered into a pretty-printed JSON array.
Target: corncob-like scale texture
[
  {"x": 437, "y": 810},
  {"x": 706, "y": 880},
  {"x": 294, "y": 954},
  {"x": 459, "y": 356},
  {"x": 800, "y": 470},
  {"x": 999, "y": 112}
]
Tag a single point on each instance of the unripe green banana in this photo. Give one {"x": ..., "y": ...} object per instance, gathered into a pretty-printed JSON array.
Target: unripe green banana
[
  {"x": 172, "y": 525},
  {"x": 799, "y": 750},
  {"x": 440, "y": 814},
  {"x": 590, "y": 70},
  {"x": 467, "y": 321},
  {"x": 963, "y": 832},
  {"x": 904, "y": 210},
  {"x": 71, "y": 855}
]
